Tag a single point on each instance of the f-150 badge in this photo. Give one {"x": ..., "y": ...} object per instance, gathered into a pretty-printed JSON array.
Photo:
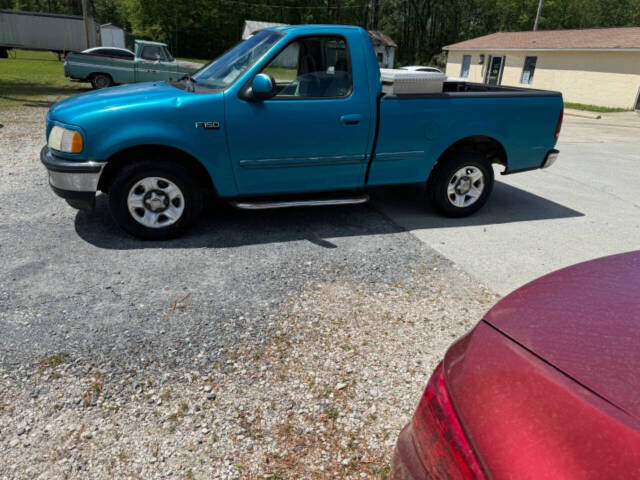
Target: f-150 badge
[{"x": 208, "y": 125}]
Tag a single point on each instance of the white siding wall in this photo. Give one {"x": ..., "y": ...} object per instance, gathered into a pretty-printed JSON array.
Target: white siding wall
[
  {"x": 609, "y": 79},
  {"x": 387, "y": 54}
]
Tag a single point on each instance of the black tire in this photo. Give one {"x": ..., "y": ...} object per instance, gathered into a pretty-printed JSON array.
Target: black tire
[
  {"x": 124, "y": 181},
  {"x": 443, "y": 175},
  {"x": 100, "y": 80}
]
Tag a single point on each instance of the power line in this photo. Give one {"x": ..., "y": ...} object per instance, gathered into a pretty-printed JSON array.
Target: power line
[{"x": 293, "y": 7}]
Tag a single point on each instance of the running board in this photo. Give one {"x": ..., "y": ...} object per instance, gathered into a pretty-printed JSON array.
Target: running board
[{"x": 246, "y": 205}]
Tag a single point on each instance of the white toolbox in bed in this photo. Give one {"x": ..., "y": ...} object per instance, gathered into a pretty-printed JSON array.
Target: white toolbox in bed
[{"x": 404, "y": 82}]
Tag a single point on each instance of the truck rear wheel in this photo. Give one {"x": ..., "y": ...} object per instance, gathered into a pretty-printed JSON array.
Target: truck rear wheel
[
  {"x": 155, "y": 200},
  {"x": 461, "y": 184},
  {"x": 101, "y": 80}
]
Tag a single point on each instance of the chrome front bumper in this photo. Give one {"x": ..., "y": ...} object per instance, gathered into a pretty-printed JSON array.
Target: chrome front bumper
[{"x": 77, "y": 182}]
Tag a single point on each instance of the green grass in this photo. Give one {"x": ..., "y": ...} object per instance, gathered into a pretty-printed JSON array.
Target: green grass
[
  {"x": 36, "y": 79},
  {"x": 197, "y": 60},
  {"x": 282, "y": 74},
  {"x": 593, "y": 108}
]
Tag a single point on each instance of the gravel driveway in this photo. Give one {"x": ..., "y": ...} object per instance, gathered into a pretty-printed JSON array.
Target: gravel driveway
[{"x": 283, "y": 344}]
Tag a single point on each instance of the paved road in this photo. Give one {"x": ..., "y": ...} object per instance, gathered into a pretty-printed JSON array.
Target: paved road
[{"x": 585, "y": 206}]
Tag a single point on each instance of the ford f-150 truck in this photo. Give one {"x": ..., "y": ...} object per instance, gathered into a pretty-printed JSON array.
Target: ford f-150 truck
[
  {"x": 292, "y": 116},
  {"x": 104, "y": 67}
]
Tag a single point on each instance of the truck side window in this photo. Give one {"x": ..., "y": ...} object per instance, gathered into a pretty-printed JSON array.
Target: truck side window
[
  {"x": 152, "y": 52},
  {"x": 312, "y": 67}
]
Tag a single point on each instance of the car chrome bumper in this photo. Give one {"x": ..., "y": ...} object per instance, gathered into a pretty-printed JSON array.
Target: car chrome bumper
[
  {"x": 550, "y": 159},
  {"x": 72, "y": 180}
]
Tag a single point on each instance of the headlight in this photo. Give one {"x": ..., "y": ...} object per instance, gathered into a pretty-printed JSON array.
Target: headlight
[{"x": 65, "y": 140}]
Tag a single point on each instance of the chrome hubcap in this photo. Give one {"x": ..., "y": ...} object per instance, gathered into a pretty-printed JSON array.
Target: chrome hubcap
[
  {"x": 465, "y": 186},
  {"x": 155, "y": 202}
]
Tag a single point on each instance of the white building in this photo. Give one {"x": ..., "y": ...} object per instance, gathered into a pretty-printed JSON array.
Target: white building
[
  {"x": 253, "y": 26},
  {"x": 594, "y": 66},
  {"x": 384, "y": 47}
]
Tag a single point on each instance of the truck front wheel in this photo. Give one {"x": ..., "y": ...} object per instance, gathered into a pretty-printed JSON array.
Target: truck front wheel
[
  {"x": 461, "y": 184},
  {"x": 155, "y": 200},
  {"x": 101, "y": 80}
]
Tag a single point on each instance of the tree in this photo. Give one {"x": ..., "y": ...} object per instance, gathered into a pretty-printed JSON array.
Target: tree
[{"x": 206, "y": 28}]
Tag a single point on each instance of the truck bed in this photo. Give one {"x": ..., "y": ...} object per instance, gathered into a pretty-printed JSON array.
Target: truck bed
[
  {"x": 453, "y": 89},
  {"x": 415, "y": 130}
]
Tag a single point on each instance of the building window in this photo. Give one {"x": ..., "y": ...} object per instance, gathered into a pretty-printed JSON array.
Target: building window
[
  {"x": 466, "y": 63},
  {"x": 528, "y": 69}
]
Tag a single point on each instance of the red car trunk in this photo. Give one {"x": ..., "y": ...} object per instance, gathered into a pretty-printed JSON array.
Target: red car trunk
[
  {"x": 585, "y": 321},
  {"x": 527, "y": 420},
  {"x": 546, "y": 387}
]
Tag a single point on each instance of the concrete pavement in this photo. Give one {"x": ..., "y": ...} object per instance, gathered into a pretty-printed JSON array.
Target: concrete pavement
[{"x": 585, "y": 206}]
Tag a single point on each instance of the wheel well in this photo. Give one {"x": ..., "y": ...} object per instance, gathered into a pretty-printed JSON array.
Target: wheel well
[
  {"x": 487, "y": 146},
  {"x": 93, "y": 74},
  {"x": 130, "y": 155}
]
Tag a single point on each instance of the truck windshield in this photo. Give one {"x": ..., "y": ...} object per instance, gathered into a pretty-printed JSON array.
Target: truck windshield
[{"x": 226, "y": 69}]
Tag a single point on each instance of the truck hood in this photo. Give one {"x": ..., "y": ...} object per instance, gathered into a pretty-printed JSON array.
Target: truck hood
[
  {"x": 585, "y": 321},
  {"x": 141, "y": 114},
  {"x": 189, "y": 66},
  {"x": 109, "y": 99}
]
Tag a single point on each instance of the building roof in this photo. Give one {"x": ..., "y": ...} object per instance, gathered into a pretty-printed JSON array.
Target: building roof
[
  {"x": 378, "y": 37},
  {"x": 253, "y": 26},
  {"x": 621, "y": 38}
]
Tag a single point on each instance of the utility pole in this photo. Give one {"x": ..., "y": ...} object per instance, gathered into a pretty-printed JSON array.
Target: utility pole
[
  {"x": 535, "y": 25},
  {"x": 86, "y": 21}
]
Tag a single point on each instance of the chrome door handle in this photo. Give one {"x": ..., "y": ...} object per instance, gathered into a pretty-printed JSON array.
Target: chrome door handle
[{"x": 352, "y": 119}]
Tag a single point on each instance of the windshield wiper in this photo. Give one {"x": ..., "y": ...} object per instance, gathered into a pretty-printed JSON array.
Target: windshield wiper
[
  {"x": 187, "y": 76},
  {"x": 191, "y": 82}
]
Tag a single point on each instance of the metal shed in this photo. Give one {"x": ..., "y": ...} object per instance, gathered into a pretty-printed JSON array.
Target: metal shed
[{"x": 112, "y": 36}]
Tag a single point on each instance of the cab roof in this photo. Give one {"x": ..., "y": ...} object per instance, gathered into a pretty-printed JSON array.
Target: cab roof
[
  {"x": 319, "y": 28},
  {"x": 149, "y": 42}
]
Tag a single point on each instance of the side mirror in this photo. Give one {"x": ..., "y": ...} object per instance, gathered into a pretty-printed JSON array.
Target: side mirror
[{"x": 263, "y": 87}]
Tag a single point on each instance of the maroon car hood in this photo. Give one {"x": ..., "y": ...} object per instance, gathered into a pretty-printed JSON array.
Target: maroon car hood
[{"x": 585, "y": 321}]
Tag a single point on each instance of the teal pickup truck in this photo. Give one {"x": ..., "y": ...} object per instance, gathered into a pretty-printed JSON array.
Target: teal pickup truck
[
  {"x": 107, "y": 66},
  {"x": 292, "y": 116}
]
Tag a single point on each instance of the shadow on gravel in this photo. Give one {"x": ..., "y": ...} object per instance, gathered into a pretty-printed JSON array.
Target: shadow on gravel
[{"x": 223, "y": 226}]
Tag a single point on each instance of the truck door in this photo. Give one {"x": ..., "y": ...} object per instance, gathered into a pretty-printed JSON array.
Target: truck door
[
  {"x": 313, "y": 134},
  {"x": 150, "y": 64}
]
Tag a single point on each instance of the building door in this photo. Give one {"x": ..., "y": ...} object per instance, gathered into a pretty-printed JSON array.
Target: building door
[
  {"x": 637, "y": 106},
  {"x": 493, "y": 75}
]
